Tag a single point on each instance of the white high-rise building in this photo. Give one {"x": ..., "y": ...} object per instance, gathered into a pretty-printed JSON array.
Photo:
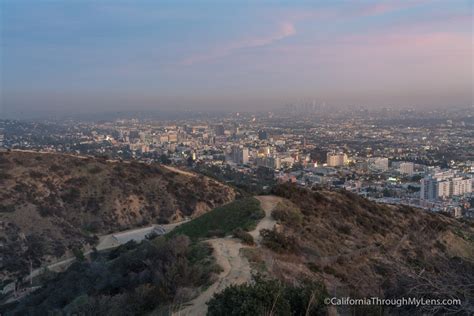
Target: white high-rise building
[
  {"x": 461, "y": 186},
  {"x": 444, "y": 185},
  {"x": 444, "y": 189},
  {"x": 336, "y": 159}
]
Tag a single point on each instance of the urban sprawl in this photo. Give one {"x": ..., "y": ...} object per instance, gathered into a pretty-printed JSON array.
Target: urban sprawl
[{"x": 398, "y": 157}]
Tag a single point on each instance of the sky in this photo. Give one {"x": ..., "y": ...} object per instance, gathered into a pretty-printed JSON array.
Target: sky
[{"x": 84, "y": 56}]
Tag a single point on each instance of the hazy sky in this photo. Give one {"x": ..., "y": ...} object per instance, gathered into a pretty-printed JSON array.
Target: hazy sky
[{"x": 83, "y": 56}]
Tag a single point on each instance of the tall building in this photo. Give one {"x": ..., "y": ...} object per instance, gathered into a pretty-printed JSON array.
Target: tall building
[
  {"x": 269, "y": 162},
  {"x": 406, "y": 168},
  {"x": 262, "y": 135},
  {"x": 378, "y": 164},
  {"x": 444, "y": 189},
  {"x": 264, "y": 151},
  {"x": 461, "y": 186},
  {"x": 219, "y": 129},
  {"x": 443, "y": 185},
  {"x": 336, "y": 159},
  {"x": 134, "y": 135},
  {"x": 172, "y": 137},
  {"x": 1, "y": 137},
  {"x": 429, "y": 189},
  {"x": 240, "y": 155}
]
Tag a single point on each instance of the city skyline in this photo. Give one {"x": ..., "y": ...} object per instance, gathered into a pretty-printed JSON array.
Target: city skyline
[{"x": 87, "y": 57}]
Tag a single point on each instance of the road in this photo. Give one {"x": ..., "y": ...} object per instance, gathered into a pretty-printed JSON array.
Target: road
[
  {"x": 105, "y": 242},
  {"x": 137, "y": 234},
  {"x": 227, "y": 251},
  {"x": 236, "y": 268}
]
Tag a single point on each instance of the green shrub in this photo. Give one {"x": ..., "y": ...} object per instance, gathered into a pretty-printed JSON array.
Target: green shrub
[
  {"x": 95, "y": 170},
  {"x": 78, "y": 254},
  {"x": 7, "y": 208},
  {"x": 223, "y": 220},
  {"x": 244, "y": 236},
  {"x": 344, "y": 229},
  {"x": 288, "y": 214},
  {"x": 216, "y": 233},
  {"x": 313, "y": 267},
  {"x": 72, "y": 195},
  {"x": 47, "y": 210},
  {"x": 278, "y": 242},
  {"x": 134, "y": 279},
  {"x": 269, "y": 297}
]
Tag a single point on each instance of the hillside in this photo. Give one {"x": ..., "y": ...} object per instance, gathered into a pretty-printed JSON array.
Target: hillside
[
  {"x": 361, "y": 249},
  {"x": 53, "y": 203},
  {"x": 308, "y": 246},
  {"x": 153, "y": 277}
]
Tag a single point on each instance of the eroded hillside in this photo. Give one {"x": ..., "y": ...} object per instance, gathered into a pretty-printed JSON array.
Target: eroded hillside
[{"x": 52, "y": 203}]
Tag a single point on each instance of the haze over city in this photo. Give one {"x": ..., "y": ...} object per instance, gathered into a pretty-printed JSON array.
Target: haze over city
[
  {"x": 67, "y": 57},
  {"x": 215, "y": 158}
]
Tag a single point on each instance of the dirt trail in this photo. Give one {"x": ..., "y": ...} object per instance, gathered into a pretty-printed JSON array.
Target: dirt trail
[
  {"x": 105, "y": 242},
  {"x": 236, "y": 268},
  {"x": 268, "y": 203},
  {"x": 180, "y": 171}
]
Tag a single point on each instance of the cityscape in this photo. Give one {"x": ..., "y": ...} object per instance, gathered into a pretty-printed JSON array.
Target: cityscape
[
  {"x": 247, "y": 158},
  {"x": 385, "y": 155}
]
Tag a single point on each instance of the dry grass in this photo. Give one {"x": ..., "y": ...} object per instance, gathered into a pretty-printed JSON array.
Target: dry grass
[
  {"x": 64, "y": 201},
  {"x": 371, "y": 249}
]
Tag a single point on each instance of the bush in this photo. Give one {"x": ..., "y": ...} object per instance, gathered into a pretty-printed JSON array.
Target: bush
[
  {"x": 287, "y": 214},
  {"x": 269, "y": 297},
  {"x": 55, "y": 168},
  {"x": 36, "y": 174},
  {"x": 95, "y": 170},
  {"x": 344, "y": 229},
  {"x": 278, "y": 242},
  {"x": 223, "y": 220},
  {"x": 134, "y": 279},
  {"x": 46, "y": 210},
  {"x": 5, "y": 176},
  {"x": 7, "y": 208},
  {"x": 216, "y": 233},
  {"x": 245, "y": 237},
  {"x": 71, "y": 195},
  {"x": 78, "y": 254},
  {"x": 313, "y": 267}
]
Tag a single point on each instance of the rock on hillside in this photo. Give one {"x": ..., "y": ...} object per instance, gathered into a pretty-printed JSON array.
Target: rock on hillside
[{"x": 52, "y": 203}]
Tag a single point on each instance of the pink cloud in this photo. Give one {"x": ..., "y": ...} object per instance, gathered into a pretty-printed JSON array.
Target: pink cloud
[
  {"x": 429, "y": 43},
  {"x": 379, "y": 8},
  {"x": 352, "y": 10},
  {"x": 380, "y": 53},
  {"x": 285, "y": 29}
]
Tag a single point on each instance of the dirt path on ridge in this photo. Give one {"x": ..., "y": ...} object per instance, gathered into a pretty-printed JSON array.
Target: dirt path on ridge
[{"x": 236, "y": 268}]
